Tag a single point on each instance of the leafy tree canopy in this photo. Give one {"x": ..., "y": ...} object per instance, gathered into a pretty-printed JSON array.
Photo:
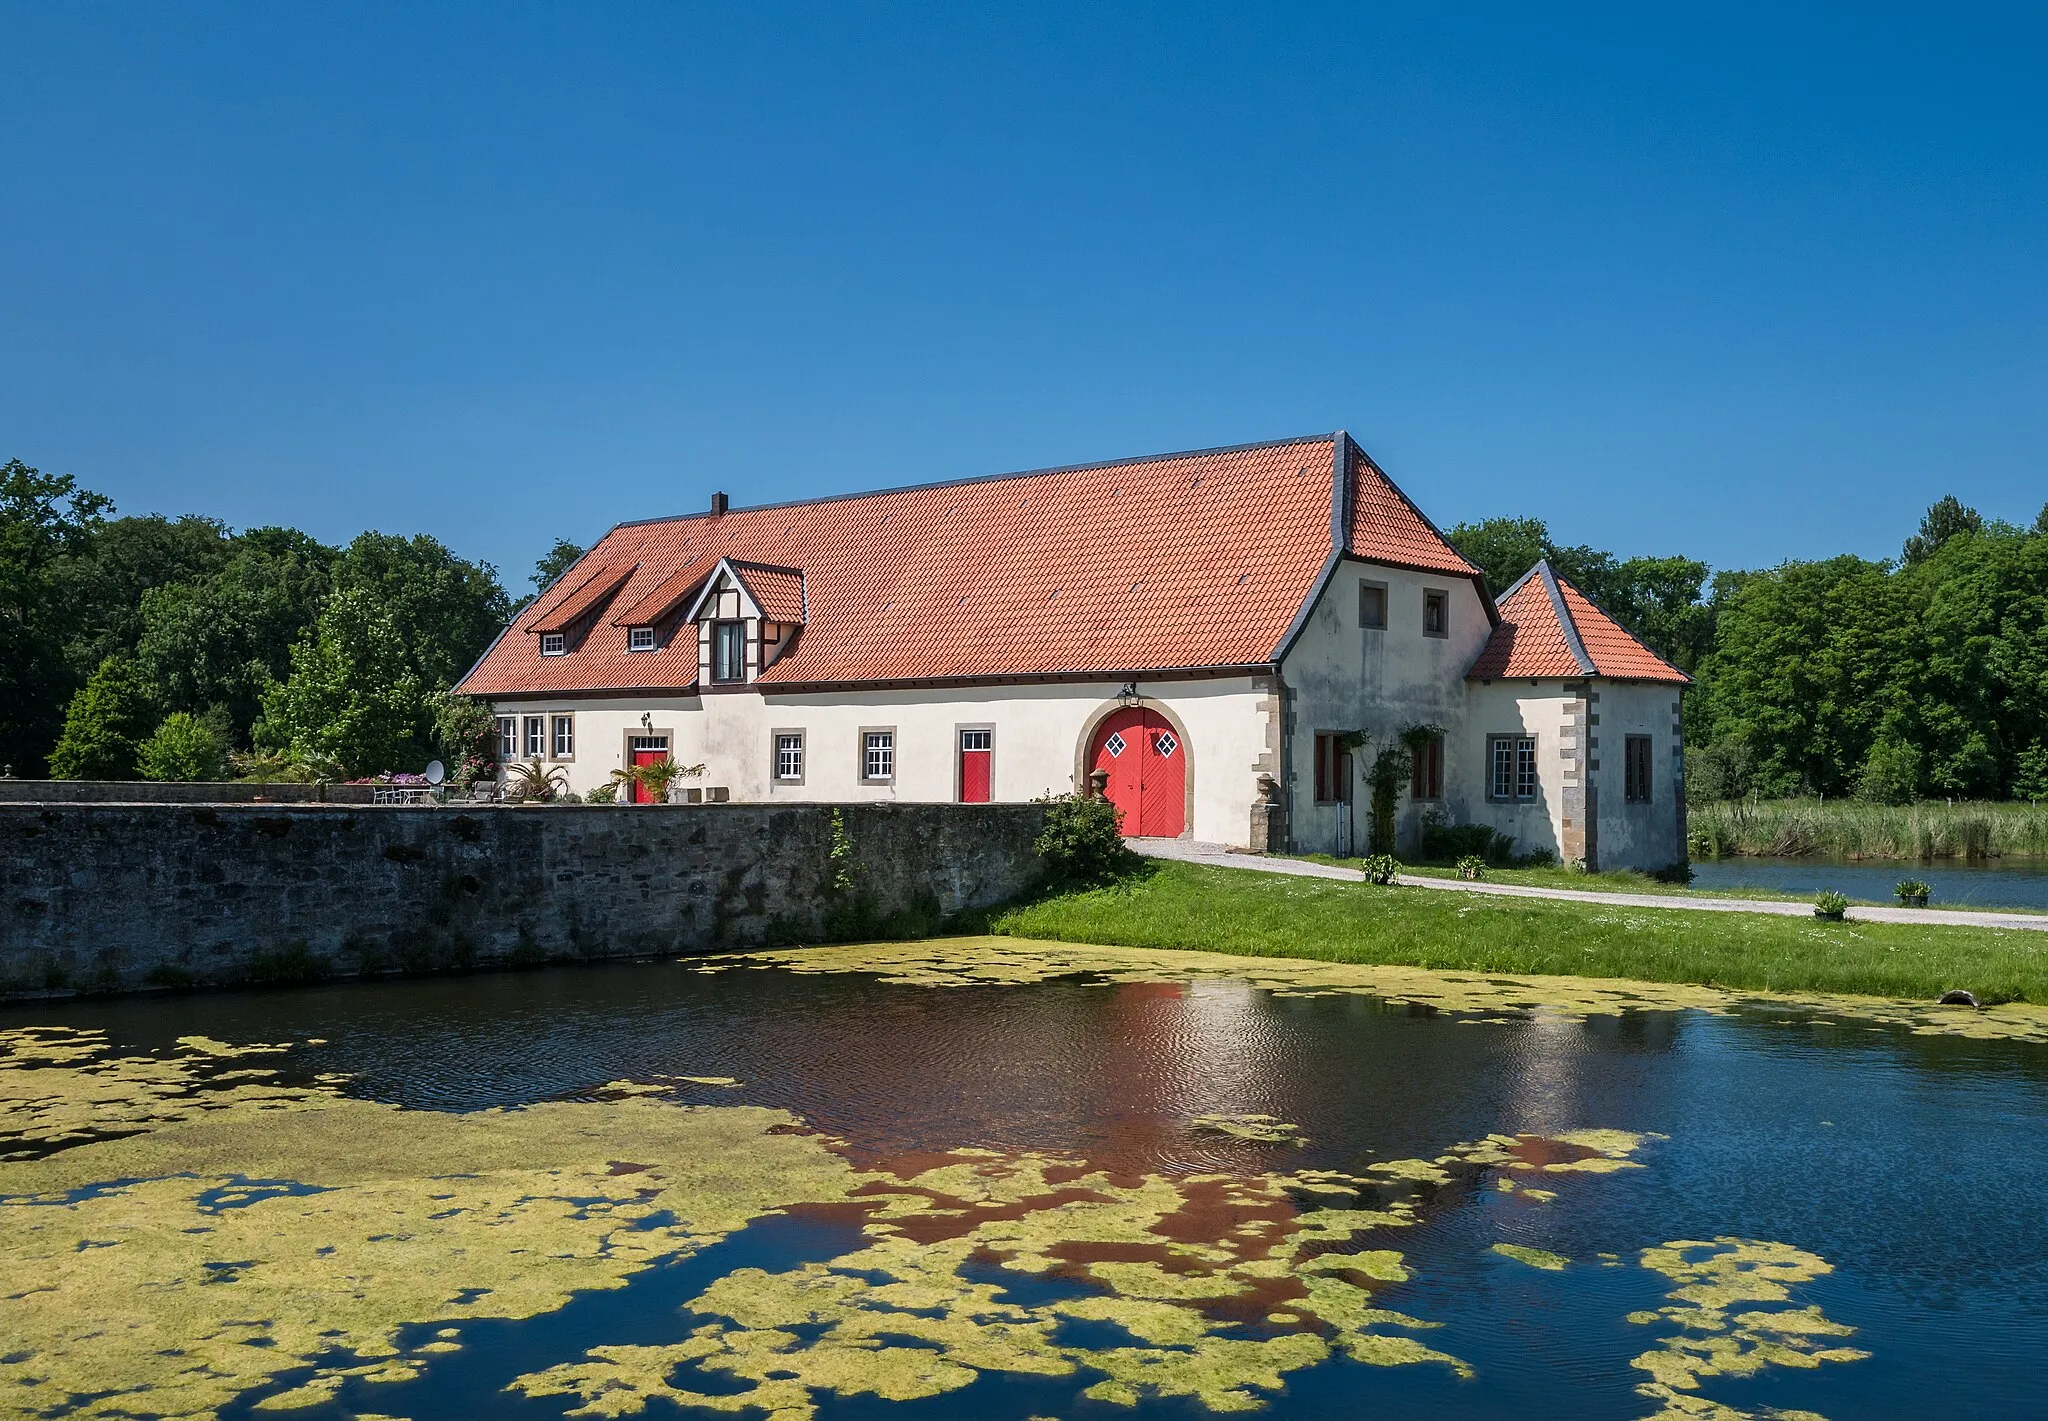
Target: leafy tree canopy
[
  {"x": 443, "y": 609},
  {"x": 552, "y": 564},
  {"x": 45, "y": 519},
  {"x": 1947, "y": 518},
  {"x": 352, "y": 696},
  {"x": 185, "y": 748},
  {"x": 104, "y": 725}
]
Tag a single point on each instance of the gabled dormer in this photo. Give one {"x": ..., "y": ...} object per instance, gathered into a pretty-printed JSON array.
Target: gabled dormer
[
  {"x": 562, "y": 621},
  {"x": 747, "y": 616}
]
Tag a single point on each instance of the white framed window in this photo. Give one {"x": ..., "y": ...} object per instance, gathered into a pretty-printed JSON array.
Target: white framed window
[
  {"x": 565, "y": 737},
  {"x": 536, "y": 736},
  {"x": 1511, "y": 767},
  {"x": 789, "y": 757},
  {"x": 977, "y": 740},
  {"x": 878, "y": 756},
  {"x": 508, "y": 737},
  {"x": 639, "y": 638},
  {"x": 553, "y": 644}
]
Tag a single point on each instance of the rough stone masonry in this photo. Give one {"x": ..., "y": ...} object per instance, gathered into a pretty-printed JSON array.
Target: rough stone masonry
[{"x": 111, "y": 897}]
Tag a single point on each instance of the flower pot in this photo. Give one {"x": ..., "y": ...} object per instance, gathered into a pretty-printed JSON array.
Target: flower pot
[
  {"x": 1912, "y": 900},
  {"x": 1468, "y": 873},
  {"x": 1826, "y": 917}
]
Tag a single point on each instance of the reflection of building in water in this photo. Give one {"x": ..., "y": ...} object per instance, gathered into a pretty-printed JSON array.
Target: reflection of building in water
[{"x": 1559, "y": 1066}]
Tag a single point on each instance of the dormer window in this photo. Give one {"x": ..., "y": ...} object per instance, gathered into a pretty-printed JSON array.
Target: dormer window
[
  {"x": 728, "y": 651},
  {"x": 553, "y": 644},
  {"x": 639, "y": 638}
]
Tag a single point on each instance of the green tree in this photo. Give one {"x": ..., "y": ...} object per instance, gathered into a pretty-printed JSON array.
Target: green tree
[
  {"x": 352, "y": 696},
  {"x": 103, "y": 725},
  {"x": 219, "y": 640},
  {"x": 1656, "y": 598},
  {"x": 443, "y": 609},
  {"x": 108, "y": 580},
  {"x": 552, "y": 564},
  {"x": 185, "y": 747},
  {"x": 1948, "y": 517},
  {"x": 2030, "y": 773},
  {"x": 1809, "y": 660},
  {"x": 45, "y": 519}
]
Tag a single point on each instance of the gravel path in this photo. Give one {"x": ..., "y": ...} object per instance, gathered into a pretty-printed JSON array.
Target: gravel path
[{"x": 1216, "y": 855}]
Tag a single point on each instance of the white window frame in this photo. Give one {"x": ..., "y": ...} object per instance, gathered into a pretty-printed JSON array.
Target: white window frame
[
  {"x": 640, "y": 639},
  {"x": 562, "y": 735},
  {"x": 536, "y": 737},
  {"x": 788, "y": 743},
  {"x": 1511, "y": 759},
  {"x": 877, "y": 753},
  {"x": 508, "y": 737},
  {"x": 554, "y": 644}
]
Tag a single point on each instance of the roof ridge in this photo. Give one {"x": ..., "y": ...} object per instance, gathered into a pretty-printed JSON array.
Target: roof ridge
[
  {"x": 1566, "y": 623},
  {"x": 985, "y": 479},
  {"x": 1619, "y": 625}
]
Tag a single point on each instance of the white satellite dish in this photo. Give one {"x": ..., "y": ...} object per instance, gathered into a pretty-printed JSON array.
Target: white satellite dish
[{"x": 436, "y": 772}]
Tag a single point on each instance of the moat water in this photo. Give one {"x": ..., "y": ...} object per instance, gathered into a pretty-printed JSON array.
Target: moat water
[
  {"x": 1915, "y": 1165},
  {"x": 1990, "y": 883}
]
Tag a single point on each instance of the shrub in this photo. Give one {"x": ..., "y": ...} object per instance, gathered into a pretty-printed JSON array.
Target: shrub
[
  {"x": 1472, "y": 866},
  {"x": 1082, "y": 841},
  {"x": 1379, "y": 868},
  {"x": 1830, "y": 906},
  {"x": 602, "y": 794},
  {"x": 1891, "y": 774},
  {"x": 185, "y": 747},
  {"x": 1443, "y": 841},
  {"x": 1725, "y": 769},
  {"x": 104, "y": 725}
]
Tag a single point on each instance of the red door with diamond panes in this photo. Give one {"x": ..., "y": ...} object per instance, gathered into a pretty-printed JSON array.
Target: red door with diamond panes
[{"x": 1147, "y": 768}]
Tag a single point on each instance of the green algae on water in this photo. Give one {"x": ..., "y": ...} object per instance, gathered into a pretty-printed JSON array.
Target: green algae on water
[
  {"x": 1483, "y": 998},
  {"x": 1265, "y": 1129},
  {"x": 1714, "y": 1279},
  {"x": 1534, "y": 1257}
]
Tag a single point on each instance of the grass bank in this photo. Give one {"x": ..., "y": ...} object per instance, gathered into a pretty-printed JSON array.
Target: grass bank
[
  {"x": 1852, "y": 828},
  {"x": 1178, "y": 905}
]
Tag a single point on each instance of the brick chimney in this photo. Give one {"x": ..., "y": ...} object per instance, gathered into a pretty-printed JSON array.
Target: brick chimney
[{"x": 718, "y": 502}]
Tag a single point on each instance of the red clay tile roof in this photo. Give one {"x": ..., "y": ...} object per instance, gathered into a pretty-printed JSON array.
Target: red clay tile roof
[
  {"x": 1549, "y": 628},
  {"x": 1182, "y": 561},
  {"x": 565, "y": 605},
  {"x": 666, "y": 597},
  {"x": 777, "y": 591}
]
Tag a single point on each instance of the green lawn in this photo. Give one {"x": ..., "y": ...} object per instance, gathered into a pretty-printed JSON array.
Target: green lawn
[
  {"x": 1629, "y": 881},
  {"x": 1178, "y": 905}
]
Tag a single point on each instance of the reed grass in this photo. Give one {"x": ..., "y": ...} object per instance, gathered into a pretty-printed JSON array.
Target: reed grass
[{"x": 1857, "y": 829}]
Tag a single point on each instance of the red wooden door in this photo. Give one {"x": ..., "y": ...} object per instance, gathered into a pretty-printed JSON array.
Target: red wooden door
[
  {"x": 977, "y": 756},
  {"x": 641, "y": 757},
  {"x": 1147, "y": 767}
]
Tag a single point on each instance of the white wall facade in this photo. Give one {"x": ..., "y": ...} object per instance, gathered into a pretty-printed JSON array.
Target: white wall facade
[
  {"x": 1643, "y": 833},
  {"x": 1040, "y": 737},
  {"x": 1339, "y": 676},
  {"x": 1343, "y": 676}
]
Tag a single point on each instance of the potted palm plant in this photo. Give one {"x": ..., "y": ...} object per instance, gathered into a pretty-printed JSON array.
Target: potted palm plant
[
  {"x": 1912, "y": 893},
  {"x": 532, "y": 783}
]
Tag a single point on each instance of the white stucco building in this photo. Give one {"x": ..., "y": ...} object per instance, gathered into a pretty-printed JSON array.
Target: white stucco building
[{"x": 1212, "y": 631}]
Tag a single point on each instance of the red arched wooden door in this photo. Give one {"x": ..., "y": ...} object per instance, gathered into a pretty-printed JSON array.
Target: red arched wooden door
[{"x": 1147, "y": 768}]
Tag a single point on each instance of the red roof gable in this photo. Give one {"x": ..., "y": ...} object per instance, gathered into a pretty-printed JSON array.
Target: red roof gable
[
  {"x": 1549, "y": 628},
  {"x": 1181, "y": 561}
]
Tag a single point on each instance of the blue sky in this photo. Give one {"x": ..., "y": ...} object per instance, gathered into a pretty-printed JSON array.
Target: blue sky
[{"x": 1746, "y": 283}]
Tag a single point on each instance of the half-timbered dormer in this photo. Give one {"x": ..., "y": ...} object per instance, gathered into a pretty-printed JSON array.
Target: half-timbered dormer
[{"x": 746, "y": 617}]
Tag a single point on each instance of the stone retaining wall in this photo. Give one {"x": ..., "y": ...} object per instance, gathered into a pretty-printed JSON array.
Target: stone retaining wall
[
  {"x": 167, "y": 792},
  {"x": 105, "y": 897}
]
